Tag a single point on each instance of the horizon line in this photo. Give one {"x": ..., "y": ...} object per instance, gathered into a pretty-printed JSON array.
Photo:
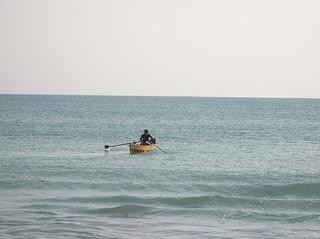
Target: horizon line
[{"x": 173, "y": 96}]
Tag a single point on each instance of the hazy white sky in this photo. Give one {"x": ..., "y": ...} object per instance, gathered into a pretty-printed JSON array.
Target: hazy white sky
[{"x": 264, "y": 48}]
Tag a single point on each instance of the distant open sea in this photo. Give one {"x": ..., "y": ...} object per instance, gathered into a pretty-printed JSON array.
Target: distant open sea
[{"x": 232, "y": 167}]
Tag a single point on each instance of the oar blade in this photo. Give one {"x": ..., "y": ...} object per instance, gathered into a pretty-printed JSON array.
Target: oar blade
[{"x": 107, "y": 148}]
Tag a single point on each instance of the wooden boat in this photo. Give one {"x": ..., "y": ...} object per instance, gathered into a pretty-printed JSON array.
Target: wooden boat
[{"x": 139, "y": 148}]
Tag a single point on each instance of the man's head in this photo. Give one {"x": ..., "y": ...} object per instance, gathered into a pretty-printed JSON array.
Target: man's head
[{"x": 146, "y": 131}]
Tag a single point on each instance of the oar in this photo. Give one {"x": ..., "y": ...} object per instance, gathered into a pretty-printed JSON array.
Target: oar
[
  {"x": 116, "y": 145},
  {"x": 159, "y": 148}
]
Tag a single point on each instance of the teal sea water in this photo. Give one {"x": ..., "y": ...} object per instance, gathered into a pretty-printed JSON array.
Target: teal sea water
[{"x": 233, "y": 167}]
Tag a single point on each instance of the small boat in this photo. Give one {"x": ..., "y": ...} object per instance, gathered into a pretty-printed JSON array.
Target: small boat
[{"x": 139, "y": 148}]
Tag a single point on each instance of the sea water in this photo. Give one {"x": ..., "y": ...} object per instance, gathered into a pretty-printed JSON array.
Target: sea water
[{"x": 232, "y": 167}]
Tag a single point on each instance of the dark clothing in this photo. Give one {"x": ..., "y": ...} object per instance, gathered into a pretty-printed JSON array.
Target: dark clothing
[{"x": 146, "y": 138}]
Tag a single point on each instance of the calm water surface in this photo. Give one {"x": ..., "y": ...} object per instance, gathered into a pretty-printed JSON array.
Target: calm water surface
[{"x": 233, "y": 168}]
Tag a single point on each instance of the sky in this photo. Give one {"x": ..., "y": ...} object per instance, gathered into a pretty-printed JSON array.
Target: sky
[{"x": 215, "y": 48}]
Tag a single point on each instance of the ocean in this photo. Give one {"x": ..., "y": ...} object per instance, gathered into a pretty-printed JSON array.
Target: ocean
[{"x": 232, "y": 167}]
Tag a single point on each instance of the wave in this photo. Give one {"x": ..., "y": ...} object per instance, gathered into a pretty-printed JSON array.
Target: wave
[
  {"x": 294, "y": 190},
  {"x": 286, "y": 210},
  {"x": 204, "y": 201},
  {"x": 253, "y": 215},
  {"x": 302, "y": 190},
  {"x": 131, "y": 210},
  {"x": 249, "y": 213},
  {"x": 271, "y": 216}
]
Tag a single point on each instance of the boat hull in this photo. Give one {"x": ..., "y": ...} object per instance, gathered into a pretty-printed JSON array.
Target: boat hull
[{"x": 137, "y": 148}]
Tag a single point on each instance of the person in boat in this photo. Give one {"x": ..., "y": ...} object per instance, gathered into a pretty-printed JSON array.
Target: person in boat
[{"x": 146, "y": 138}]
